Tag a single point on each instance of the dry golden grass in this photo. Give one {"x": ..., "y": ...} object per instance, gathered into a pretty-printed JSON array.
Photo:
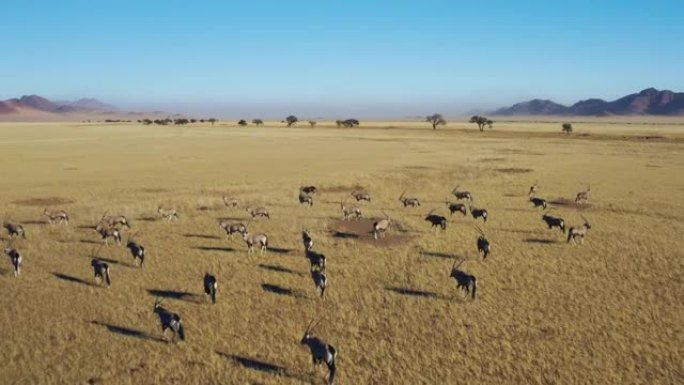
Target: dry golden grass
[{"x": 607, "y": 312}]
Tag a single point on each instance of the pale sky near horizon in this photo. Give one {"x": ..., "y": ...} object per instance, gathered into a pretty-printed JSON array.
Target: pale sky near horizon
[{"x": 323, "y": 58}]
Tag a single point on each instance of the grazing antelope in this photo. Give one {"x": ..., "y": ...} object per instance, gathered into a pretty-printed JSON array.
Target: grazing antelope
[
  {"x": 15, "y": 230},
  {"x": 108, "y": 232},
  {"x": 321, "y": 351},
  {"x": 114, "y": 220},
  {"x": 462, "y": 194},
  {"x": 210, "y": 287},
  {"x": 231, "y": 202},
  {"x": 479, "y": 213},
  {"x": 305, "y": 198},
  {"x": 308, "y": 241},
  {"x": 253, "y": 239},
  {"x": 361, "y": 195},
  {"x": 349, "y": 212},
  {"x": 457, "y": 207},
  {"x": 232, "y": 227},
  {"x": 258, "y": 212},
  {"x": 579, "y": 232},
  {"x": 436, "y": 220},
  {"x": 533, "y": 189},
  {"x": 101, "y": 270},
  {"x": 464, "y": 281},
  {"x": 538, "y": 202},
  {"x": 167, "y": 214},
  {"x": 309, "y": 189},
  {"x": 169, "y": 320},
  {"x": 15, "y": 259},
  {"x": 483, "y": 246},
  {"x": 316, "y": 260},
  {"x": 137, "y": 251},
  {"x": 552, "y": 222},
  {"x": 409, "y": 201},
  {"x": 61, "y": 216},
  {"x": 381, "y": 226},
  {"x": 583, "y": 196},
  {"x": 320, "y": 279}
]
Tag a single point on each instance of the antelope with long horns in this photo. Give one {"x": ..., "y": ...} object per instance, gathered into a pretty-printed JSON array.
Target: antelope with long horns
[
  {"x": 582, "y": 197},
  {"x": 114, "y": 220},
  {"x": 409, "y": 201},
  {"x": 15, "y": 230},
  {"x": 210, "y": 287},
  {"x": 459, "y": 194},
  {"x": 307, "y": 240},
  {"x": 316, "y": 260},
  {"x": 309, "y": 189},
  {"x": 61, "y": 216},
  {"x": 108, "y": 232},
  {"x": 258, "y": 212},
  {"x": 533, "y": 189},
  {"x": 137, "y": 251},
  {"x": 538, "y": 202},
  {"x": 231, "y": 202},
  {"x": 167, "y": 214},
  {"x": 580, "y": 232},
  {"x": 232, "y": 227},
  {"x": 101, "y": 270},
  {"x": 305, "y": 199},
  {"x": 483, "y": 246},
  {"x": 464, "y": 281},
  {"x": 479, "y": 213},
  {"x": 169, "y": 321},
  {"x": 552, "y": 221},
  {"x": 319, "y": 278},
  {"x": 457, "y": 207},
  {"x": 15, "y": 258},
  {"x": 361, "y": 195},
  {"x": 255, "y": 239},
  {"x": 380, "y": 227},
  {"x": 436, "y": 220},
  {"x": 321, "y": 351},
  {"x": 350, "y": 212}
]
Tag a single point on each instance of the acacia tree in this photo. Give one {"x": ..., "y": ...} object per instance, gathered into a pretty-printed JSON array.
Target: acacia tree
[
  {"x": 290, "y": 120},
  {"x": 212, "y": 120},
  {"x": 258, "y": 122},
  {"x": 481, "y": 121},
  {"x": 312, "y": 123},
  {"x": 436, "y": 120},
  {"x": 242, "y": 122},
  {"x": 567, "y": 128}
]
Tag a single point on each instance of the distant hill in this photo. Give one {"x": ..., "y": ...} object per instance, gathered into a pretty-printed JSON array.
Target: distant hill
[
  {"x": 647, "y": 102},
  {"x": 34, "y": 107}
]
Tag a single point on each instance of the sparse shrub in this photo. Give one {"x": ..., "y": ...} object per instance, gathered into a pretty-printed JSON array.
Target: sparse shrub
[
  {"x": 567, "y": 128},
  {"x": 258, "y": 122},
  {"x": 242, "y": 122},
  {"x": 312, "y": 123},
  {"x": 290, "y": 120}
]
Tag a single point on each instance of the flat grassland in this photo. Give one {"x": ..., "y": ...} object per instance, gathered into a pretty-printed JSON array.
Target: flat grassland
[{"x": 610, "y": 311}]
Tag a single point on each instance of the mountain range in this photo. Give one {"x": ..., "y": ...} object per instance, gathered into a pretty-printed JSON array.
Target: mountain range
[
  {"x": 37, "y": 105},
  {"x": 647, "y": 102}
]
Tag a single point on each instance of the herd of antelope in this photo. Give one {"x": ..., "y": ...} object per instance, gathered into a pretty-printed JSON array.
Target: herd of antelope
[{"x": 113, "y": 227}]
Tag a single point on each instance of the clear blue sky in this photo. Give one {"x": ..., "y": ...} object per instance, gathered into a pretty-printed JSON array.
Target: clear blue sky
[{"x": 322, "y": 58}]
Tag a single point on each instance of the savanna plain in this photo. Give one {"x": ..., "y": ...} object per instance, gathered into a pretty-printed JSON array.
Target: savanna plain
[{"x": 609, "y": 311}]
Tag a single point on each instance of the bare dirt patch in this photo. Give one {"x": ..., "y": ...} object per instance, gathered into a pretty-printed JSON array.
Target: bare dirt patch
[
  {"x": 362, "y": 230},
  {"x": 569, "y": 203},
  {"x": 47, "y": 201}
]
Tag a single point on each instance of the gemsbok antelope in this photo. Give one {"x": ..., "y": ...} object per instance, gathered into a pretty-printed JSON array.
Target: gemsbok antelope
[
  {"x": 464, "y": 281},
  {"x": 15, "y": 230},
  {"x": 232, "y": 227},
  {"x": 436, "y": 220},
  {"x": 538, "y": 202},
  {"x": 305, "y": 198},
  {"x": 115, "y": 220},
  {"x": 457, "y": 207},
  {"x": 316, "y": 260},
  {"x": 483, "y": 246},
  {"x": 320, "y": 279},
  {"x": 210, "y": 287},
  {"x": 15, "y": 258},
  {"x": 169, "y": 320},
  {"x": 582, "y": 197},
  {"x": 361, "y": 195},
  {"x": 552, "y": 222},
  {"x": 462, "y": 194},
  {"x": 255, "y": 239},
  {"x": 380, "y": 227},
  {"x": 108, "y": 232},
  {"x": 61, "y": 216},
  {"x": 101, "y": 270},
  {"x": 309, "y": 189},
  {"x": 533, "y": 189},
  {"x": 231, "y": 201},
  {"x": 350, "y": 212},
  {"x": 579, "y": 232},
  {"x": 258, "y": 212},
  {"x": 137, "y": 251},
  {"x": 167, "y": 214},
  {"x": 307, "y": 240},
  {"x": 409, "y": 201},
  {"x": 479, "y": 213},
  {"x": 321, "y": 351}
]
